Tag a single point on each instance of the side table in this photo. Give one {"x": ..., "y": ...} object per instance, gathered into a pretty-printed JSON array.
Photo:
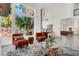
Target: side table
[{"x": 30, "y": 39}]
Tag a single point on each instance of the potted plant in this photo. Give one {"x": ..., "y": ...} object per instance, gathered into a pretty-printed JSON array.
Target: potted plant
[{"x": 50, "y": 41}]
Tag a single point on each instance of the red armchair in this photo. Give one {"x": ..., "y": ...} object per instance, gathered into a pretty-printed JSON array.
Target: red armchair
[
  {"x": 41, "y": 36},
  {"x": 19, "y": 42}
]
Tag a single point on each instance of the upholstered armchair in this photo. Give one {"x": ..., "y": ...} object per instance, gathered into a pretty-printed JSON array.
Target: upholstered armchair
[
  {"x": 41, "y": 36},
  {"x": 18, "y": 40}
]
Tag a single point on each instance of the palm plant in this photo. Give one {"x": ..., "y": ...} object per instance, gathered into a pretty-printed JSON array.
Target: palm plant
[
  {"x": 50, "y": 41},
  {"x": 27, "y": 24},
  {"x": 24, "y": 23},
  {"x": 19, "y": 22}
]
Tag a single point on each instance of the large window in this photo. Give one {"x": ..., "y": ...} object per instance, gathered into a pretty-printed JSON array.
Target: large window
[
  {"x": 25, "y": 24},
  {"x": 24, "y": 19},
  {"x": 6, "y": 23}
]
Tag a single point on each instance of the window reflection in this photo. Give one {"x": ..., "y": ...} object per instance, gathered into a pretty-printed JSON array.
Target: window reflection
[{"x": 6, "y": 23}]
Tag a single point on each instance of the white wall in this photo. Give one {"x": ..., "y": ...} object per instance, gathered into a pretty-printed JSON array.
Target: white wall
[{"x": 54, "y": 12}]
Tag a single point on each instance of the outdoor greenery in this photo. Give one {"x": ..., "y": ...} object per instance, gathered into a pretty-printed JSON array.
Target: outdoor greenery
[
  {"x": 6, "y": 22},
  {"x": 24, "y": 22}
]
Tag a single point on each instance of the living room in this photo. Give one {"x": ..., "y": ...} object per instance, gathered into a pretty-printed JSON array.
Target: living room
[{"x": 34, "y": 23}]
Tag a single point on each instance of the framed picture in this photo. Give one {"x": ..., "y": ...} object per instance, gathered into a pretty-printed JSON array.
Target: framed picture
[
  {"x": 76, "y": 12},
  {"x": 50, "y": 28}
]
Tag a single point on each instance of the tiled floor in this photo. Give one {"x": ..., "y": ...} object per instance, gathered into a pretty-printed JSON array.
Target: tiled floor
[
  {"x": 63, "y": 41},
  {"x": 8, "y": 48},
  {"x": 70, "y": 41}
]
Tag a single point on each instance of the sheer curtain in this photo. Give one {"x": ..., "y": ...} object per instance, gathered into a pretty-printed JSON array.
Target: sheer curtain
[{"x": 0, "y": 39}]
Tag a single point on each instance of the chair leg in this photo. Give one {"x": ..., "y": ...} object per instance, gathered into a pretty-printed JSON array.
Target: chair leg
[
  {"x": 27, "y": 45},
  {"x": 16, "y": 47}
]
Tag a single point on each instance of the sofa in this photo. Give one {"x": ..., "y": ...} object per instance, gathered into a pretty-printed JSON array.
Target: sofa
[
  {"x": 18, "y": 40},
  {"x": 66, "y": 33}
]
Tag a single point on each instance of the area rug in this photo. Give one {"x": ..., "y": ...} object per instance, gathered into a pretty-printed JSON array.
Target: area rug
[
  {"x": 66, "y": 51},
  {"x": 31, "y": 50}
]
